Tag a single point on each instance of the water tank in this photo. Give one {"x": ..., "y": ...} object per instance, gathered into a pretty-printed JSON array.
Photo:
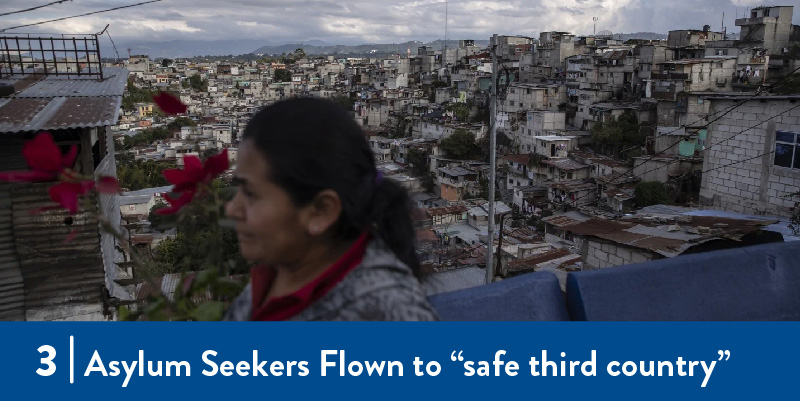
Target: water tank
[{"x": 706, "y": 28}]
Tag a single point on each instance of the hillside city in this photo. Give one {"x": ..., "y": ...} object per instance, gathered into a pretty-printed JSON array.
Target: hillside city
[{"x": 609, "y": 152}]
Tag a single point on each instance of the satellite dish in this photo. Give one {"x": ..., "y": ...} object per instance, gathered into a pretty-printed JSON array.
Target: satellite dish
[{"x": 605, "y": 34}]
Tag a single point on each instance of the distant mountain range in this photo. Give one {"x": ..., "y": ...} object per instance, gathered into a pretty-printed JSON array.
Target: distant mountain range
[
  {"x": 372, "y": 48},
  {"x": 191, "y": 48}
]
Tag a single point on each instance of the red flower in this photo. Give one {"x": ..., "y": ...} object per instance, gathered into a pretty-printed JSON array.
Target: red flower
[
  {"x": 169, "y": 104},
  {"x": 108, "y": 185},
  {"x": 175, "y": 204},
  {"x": 188, "y": 179},
  {"x": 45, "y": 160},
  {"x": 194, "y": 172},
  {"x": 66, "y": 193}
]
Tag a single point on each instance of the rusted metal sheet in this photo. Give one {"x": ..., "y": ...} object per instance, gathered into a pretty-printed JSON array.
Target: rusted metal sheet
[
  {"x": 75, "y": 86},
  {"x": 84, "y": 112},
  {"x": 16, "y": 114},
  {"x": 12, "y": 294},
  {"x": 36, "y": 114},
  {"x": 61, "y": 280}
]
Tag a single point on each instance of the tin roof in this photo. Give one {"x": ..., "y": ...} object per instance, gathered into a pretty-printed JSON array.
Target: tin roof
[
  {"x": 667, "y": 237},
  {"x": 75, "y": 86},
  {"x": 50, "y": 103},
  {"x": 565, "y": 164},
  {"x": 36, "y": 114}
]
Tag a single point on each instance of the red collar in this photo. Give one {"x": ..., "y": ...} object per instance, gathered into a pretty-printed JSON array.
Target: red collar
[{"x": 287, "y": 306}]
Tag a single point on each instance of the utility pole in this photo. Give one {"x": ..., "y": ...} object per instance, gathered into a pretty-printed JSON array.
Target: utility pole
[
  {"x": 500, "y": 246},
  {"x": 444, "y": 53},
  {"x": 594, "y": 26},
  {"x": 492, "y": 155}
]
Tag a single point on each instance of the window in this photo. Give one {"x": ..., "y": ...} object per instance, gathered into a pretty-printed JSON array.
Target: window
[{"x": 787, "y": 149}]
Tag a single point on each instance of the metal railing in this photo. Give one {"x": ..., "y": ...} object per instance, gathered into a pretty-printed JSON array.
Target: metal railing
[{"x": 38, "y": 54}]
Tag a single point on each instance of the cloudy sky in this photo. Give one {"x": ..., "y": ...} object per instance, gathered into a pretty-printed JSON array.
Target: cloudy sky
[{"x": 370, "y": 21}]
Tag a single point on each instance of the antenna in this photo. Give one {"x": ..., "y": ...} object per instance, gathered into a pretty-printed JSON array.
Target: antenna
[{"x": 444, "y": 53}]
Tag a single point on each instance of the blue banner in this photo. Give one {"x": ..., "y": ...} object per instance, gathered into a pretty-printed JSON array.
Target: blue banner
[{"x": 401, "y": 361}]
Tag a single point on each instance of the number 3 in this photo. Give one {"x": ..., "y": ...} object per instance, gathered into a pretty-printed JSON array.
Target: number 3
[{"x": 51, "y": 367}]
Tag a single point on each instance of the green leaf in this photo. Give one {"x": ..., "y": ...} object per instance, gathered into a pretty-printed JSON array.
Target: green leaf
[
  {"x": 209, "y": 311},
  {"x": 123, "y": 313}
]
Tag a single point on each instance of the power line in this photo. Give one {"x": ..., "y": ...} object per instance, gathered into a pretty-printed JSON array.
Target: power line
[
  {"x": 34, "y": 8},
  {"x": 80, "y": 15},
  {"x": 731, "y": 138},
  {"x": 726, "y": 112},
  {"x": 715, "y": 144},
  {"x": 737, "y": 162},
  {"x": 105, "y": 30}
]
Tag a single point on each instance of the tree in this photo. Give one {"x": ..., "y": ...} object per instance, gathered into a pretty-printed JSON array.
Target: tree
[
  {"x": 299, "y": 53},
  {"x": 180, "y": 122},
  {"x": 196, "y": 83},
  {"x": 790, "y": 86},
  {"x": 140, "y": 174},
  {"x": 345, "y": 101},
  {"x": 166, "y": 62},
  {"x": 198, "y": 233},
  {"x": 460, "y": 111},
  {"x": 418, "y": 159},
  {"x": 622, "y": 133},
  {"x": 283, "y": 75},
  {"x": 794, "y": 220},
  {"x": 460, "y": 145},
  {"x": 136, "y": 95},
  {"x": 651, "y": 193},
  {"x": 401, "y": 129},
  {"x": 483, "y": 184}
]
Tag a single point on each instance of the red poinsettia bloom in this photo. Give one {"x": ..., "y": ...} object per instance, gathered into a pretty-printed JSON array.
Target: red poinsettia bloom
[
  {"x": 169, "y": 104},
  {"x": 45, "y": 160},
  {"x": 108, "y": 185},
  {"x": 175, "y": 204},
  {"x": 187, "y": 181},
  {"x": 66, "y": 194}
]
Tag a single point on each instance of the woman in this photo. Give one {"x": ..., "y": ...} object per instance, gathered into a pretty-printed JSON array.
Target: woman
[{"x": 333, "y": 240}]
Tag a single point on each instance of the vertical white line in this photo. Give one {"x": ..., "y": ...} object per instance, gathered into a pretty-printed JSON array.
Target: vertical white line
[{"x": 71, "y": 360}]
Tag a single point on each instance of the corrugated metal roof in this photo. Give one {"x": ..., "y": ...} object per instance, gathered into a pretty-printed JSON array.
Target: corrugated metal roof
[
  {"x": 78, "y": 86},
  {"x": 565, "y": 164},
  {"x": 60, "y": 102},
  {"x": 61, "y": 280},
  {"x": 649, "y": 234},
  {"x": 36, "y": 114},
  {"x": 12, "y": 301}
]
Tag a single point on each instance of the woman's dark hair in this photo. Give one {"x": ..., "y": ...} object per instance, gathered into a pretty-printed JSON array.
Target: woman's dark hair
[{"x": 314, "y": 144}]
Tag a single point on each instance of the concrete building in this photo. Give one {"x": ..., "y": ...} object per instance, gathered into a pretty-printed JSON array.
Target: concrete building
[
  {"x": 753, "y": 170},
  {"x": 769, "y": 28}
]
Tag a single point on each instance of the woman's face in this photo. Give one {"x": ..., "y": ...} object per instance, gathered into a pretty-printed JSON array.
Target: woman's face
[{"x": 270, "y": 228}]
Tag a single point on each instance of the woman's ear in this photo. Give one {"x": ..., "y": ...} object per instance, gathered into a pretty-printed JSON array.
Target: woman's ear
[{"x": 323, "y": 212}]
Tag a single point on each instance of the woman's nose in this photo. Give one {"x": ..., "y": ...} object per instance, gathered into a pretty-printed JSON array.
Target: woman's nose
[{"x": 233, "y": 208}]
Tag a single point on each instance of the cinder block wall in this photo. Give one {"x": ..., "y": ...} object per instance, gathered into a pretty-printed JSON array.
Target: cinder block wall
[{"x": 754, "y": 186}]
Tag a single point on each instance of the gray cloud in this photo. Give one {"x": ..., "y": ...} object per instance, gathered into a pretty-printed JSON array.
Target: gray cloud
[{"x": 369, "y": 20}]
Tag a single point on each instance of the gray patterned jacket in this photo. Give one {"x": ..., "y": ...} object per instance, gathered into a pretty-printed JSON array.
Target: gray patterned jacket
[{"x": 380, "y": 288}]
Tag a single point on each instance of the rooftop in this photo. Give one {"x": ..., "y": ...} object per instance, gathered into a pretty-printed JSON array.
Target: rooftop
[
  {"x": 59, "y": 102},
  {"x": 565, "y": 164},
  {"x": 664, "y": 236}
]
